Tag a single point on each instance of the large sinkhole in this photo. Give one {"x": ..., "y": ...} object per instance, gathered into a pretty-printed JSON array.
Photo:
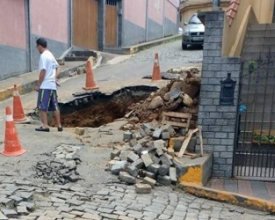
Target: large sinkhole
[{"x": 94, "y": 109}]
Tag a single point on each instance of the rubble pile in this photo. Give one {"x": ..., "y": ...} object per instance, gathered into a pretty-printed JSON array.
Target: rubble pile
[
  {"x": 146, "y": 157},
  {"x": 63, "y": 168},
  {"x": 180, "y": 95}
]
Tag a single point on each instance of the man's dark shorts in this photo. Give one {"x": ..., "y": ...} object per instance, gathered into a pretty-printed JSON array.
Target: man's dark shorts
[{"x": 47, "y": 100}]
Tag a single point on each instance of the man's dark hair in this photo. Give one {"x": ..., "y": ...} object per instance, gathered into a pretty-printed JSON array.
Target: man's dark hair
[{"x": 41, "y": 42}]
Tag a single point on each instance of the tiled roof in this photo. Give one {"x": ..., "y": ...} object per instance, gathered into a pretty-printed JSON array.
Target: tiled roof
[{"x": 232, "y": 10}]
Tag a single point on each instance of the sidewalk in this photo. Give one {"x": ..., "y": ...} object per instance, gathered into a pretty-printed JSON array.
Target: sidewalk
[{"x": 259, "y": 195}]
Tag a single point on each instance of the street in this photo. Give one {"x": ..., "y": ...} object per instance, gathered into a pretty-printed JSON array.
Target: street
[{"x": 99, "y": 195}]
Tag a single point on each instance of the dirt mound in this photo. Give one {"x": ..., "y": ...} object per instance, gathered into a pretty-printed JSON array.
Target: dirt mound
[{"x": 178, "y": 96}]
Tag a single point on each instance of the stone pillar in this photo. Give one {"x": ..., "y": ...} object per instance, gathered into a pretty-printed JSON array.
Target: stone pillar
[
  {"x": 101, "y": 24},
  {"x": 218, "y": 121}
]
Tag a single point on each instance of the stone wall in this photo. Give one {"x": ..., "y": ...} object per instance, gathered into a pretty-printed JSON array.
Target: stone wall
[{"x": 218, "y": 122}]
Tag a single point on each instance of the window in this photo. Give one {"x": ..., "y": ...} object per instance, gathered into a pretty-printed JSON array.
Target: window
[{"x": 194, "y": 20}]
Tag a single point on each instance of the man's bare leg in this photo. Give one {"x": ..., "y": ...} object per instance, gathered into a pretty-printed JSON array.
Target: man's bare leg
[
  {"x": 44, "y": 118},
  {"x": 57, "y": 118}
]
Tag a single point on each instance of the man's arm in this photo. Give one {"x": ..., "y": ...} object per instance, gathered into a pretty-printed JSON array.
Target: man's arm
[{"x": 40, "y": 79}]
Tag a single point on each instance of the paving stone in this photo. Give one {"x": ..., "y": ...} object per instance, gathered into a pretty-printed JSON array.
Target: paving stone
[
  {"x": 123, "y": 176},
  {"x": 164, "y": 180},
  {"x": 118, "y": 166},
  {"x": 150, "y": 175},
  {"x": 91, "y": 216},
  {"x": 164, "y": 217},
  {"x": 137, "y": 148},
  {"x": 114, "y": 154},
  {"x": 25, "y": 195},
  {"x": 150, "y": 181},
  {"x": 52, "y": 213},
  {"x": 57, "y": 200},
  {"x": 127, "y": 135},
  {"x": 6, "y": 201},
  {"x": 77, "y": 213},
  {"x": 173, "y": 174},
  {"x": 9, "y": 213},
  {"x": 132, "y": 157},
  {"x": 67, "y": 215},
  {"x": 64, "y": 208},
  {"x": 16, "y": 199},
  {"x": 156, "y": 134},
  {"x": 132, "y": 170},
  {"x": 22, "y": 210},
  {"x": 153, "y": 168},
  {"x": 155, "y": 159},
  {"x": 163, "y": 169},
  {"x": 165, "y": 135},
  {"x": 159, "y": 152},
  {"x": 146, "y": 159},
  {"x": 125, "y": 218},
  {"x": 105, "y": 210},
  {"x": 74, "y": 202},
  {"x": 166, "y": 159},
  {"x": 45, "y": 218},
  {"x": 143, "y": 188},
  {"x": 109, "y": 216}
]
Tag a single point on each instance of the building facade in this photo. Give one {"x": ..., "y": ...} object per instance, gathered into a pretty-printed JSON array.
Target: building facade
[{"x": 85, "y": 24}]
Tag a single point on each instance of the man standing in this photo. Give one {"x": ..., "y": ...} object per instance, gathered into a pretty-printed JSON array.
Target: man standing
[{"x": 47, "y": 86}]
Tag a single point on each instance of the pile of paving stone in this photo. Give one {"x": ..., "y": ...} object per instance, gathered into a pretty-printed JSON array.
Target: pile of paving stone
[
  {"x": 145, "y": 157},
  {"x": 180, "y": 95},
  {"x": 62, "y": 168}
]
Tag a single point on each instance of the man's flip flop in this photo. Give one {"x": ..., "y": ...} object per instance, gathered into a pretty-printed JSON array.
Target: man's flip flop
[{"x": 42, "y": 129}]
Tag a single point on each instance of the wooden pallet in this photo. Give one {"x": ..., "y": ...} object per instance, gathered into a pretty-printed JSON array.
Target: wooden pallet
[{"x": 183, "y": 119}]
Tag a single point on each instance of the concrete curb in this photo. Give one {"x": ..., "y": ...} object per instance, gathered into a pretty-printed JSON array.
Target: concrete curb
[
  {"x": 29, "y": 86},
  {"x": 228, "y": 197},
  {"x": 139, "y": 47}
]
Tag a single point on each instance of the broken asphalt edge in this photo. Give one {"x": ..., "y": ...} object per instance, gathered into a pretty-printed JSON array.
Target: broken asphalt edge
[
  {"x": 27, "y": 87},
  {"x": 228, "y": 197},
  {"x": 146, "y": 45}
]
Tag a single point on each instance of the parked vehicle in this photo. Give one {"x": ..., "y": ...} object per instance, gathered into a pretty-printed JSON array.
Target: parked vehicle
[{"x": 193, "y": 33}]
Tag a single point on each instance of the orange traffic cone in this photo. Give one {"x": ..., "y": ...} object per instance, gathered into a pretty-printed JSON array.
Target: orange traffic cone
[
  {"x": 156, "y": 70},
  {"x": 18, "y": 112},
  {"x": 12, "y": 144},
  {"x": 90, "y": 82}
]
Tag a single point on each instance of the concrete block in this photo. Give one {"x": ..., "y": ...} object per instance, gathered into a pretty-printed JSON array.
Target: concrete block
[
  {"x": 125, "y": 177},
  {"x": 143, "y": 188},
  {"x": 146, "y": 159},
  {"x": 124, "y": 154},
  {"x": 173, "y": 174},
  {"x": 118, "y": 166},
  {"x": 132, "y": 170},
  {"x": 142, "y": 133},
  {"x": 150, "y": 174},
  {"x": 176, "y": 143},
  {"x": 138, "y": 163},
  {"x": 150, "y": 181},
  {"x": 153, "y": 168},
  {"x": 165, "y": 135},
  {"x": 157, "y": 133},
  {"x": 114, "y": 154},
  {"x": 137, "y": 148},
  {"x": 143, "y": 141},
  {"x": 164, "y": 180},
  {"x": 132, "y": 157},
  {"x": 195, "y": 171},
  {"x": 166, "y": 159},
  {"x": 127, "y": 135}
]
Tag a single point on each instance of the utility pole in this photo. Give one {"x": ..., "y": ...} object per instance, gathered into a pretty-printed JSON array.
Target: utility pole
[{"x": 216, "y": 5}]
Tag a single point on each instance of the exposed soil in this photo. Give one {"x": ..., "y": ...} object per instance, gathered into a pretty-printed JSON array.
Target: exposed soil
[{"x": 98, "y": 114}]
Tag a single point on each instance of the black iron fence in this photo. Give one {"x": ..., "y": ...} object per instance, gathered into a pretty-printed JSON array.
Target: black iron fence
[{"x": 255, "y": 140}]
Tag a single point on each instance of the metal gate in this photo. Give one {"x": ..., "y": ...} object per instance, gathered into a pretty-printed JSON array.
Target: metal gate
[
  {"x": 111, "y": 23},
  {"x": 254, "y": 152},
  {"x": 85, "y": 17}
]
